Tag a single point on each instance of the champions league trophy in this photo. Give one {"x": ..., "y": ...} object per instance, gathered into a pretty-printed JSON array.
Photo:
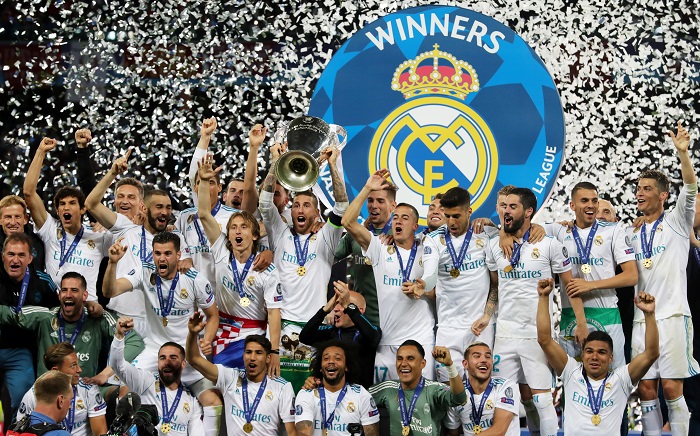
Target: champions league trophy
[{"x": 306, "y": 136}]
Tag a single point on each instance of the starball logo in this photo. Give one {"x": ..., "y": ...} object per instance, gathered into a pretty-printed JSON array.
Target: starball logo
[{"x": 442, "y": 97}]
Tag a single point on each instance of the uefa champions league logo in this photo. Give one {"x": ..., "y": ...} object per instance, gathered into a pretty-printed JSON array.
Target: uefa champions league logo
[{"x": 443, "y": 97}]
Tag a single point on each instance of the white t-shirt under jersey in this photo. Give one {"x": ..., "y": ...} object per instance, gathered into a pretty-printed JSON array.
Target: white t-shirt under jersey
[
  {"x": 578, "y": 413},
  {"x": 608, "y": 250},
  {"x": 276, "y": 405},
  {"x": 666, "y": 279},
  {"x": 400, "y": 316},
  {"x": 517, "y": 289},
  {"x": 460, "y": 300}
]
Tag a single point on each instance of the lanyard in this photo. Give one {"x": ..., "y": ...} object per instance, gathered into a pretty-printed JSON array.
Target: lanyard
[
  {"x": 142, "y": 254},
  {"x": 76, "y": 330},
  {"x": 584, "y": 253},
  {"x": 647, "y": 246},
  {"x": 65, "y": 255},
  {"x": 200, "y": 233},
  {"x": 515, "y": 257},
  {"x": 238, "y": 278},
  {"x": 406, "y": 273},
  {"x": 301, "y": 253},
  {"x": 328, "y": 423},
  {"x": 166, "y": 306},
  {"x": 406, "y": 414},
  {"x": 70, "y": 417},
  {"x": 457, "y": 259},
  {"x": 248, "y": 411},
  {"x": 23, "y": 291},
  {"x": 385, "y": 229},
  {"x": 595, "y": 402},
  {"x": 477, "y": 413},
  {"x": 168, "y": 414}
]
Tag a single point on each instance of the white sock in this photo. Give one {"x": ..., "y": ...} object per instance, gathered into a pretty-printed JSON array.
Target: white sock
[
  {"x": 651, "y": 418},
  {"x": 549, "y": 424},
  {"x": 211, "y": 420},
  {"x": 678, "y": 416},
  {"x": 533, "y": 418}
]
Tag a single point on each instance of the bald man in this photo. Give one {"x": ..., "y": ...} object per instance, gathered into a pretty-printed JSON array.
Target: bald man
[
  {"x": 606, "y": 211},
  {"x": 347, "y": 324}
]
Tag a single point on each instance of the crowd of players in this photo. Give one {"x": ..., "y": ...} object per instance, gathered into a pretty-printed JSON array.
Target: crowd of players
[{"x": 224, "y": 308}]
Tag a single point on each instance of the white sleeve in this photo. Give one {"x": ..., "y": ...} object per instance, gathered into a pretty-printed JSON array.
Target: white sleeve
[
  {"x": 491, "y": 263},
  {"x": 374, "y": 250},
  {"x": 184, "y": 248},
  {"x": 194, "y": 167},
  {"x": 204, "y": 295},
  {"x": 134, "y": 378},
  {"x": 558, "y": 257},
  {"x": 272, "y": 289},
  {"x": 195, "y": 426},
  {"x": 431, "y": 260},
  {"x": 569, "y": 369},
  {"x": 27, "y": 405},
  {"x": 227, "y": 376},
  {"x": 274, "y": 224},
  {"x": 121, "y": 224},
  {"x": 369, "y": 414},
  {"x": 48, "y": 230},
  {"x": 553, "y": 229},
  {"x": 682, "y": 216},
  {"x": 286, "y": 403},
  {"x": 622, "y": 251},
  {"x": 305, "y": 406},
  {"x": 452, "y": 417},
  {"x": 95, "y": 403},
  {"x": 508, "y": 397},
  {"x": 219, "y": 250}
]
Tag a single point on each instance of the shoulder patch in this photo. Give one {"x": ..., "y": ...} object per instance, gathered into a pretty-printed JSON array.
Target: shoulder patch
[{"x": 192, "y": 273}]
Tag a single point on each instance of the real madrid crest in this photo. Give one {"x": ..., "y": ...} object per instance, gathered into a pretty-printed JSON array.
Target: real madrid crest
[
  {"x": 250, "y": 280},
  {"x": 535, "y": 253},
  {"x": 368, "y": 261},
  {"x": 269, "y": 396},
  {"x": 80, "y": 405},
  {"x": 86, "y": 337},
  {"x": 153, "y": 279},
  {"x": 479, "y": 243},
  {"x": 312, "y": 238},
  {"x": 351, "y": 407},
  {"x": 390, "y": 249},
  {"x": 660, "y": 228},
  {"x": 598, "y": 240},
  {"x": 184, "y": 294},
  {"x": 186, "y": 407},
  {"x": 608, "y": 386},
  {"x": 442, "y": 240},
  {"x": 54, "y": 323},
  {"x": 91, "y": 244},
  {"x": 59, "y": 233},
  {"x": 636, "y": 229},
  {"x": 489, "y": 405},
  {"x": 190, "y": 219}
]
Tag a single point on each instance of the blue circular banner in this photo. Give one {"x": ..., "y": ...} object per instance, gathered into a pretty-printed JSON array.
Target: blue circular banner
[{"x": 442, "y": 97}]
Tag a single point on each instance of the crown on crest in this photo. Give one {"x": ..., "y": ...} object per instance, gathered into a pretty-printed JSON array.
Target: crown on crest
[{"x": 446, "y": 76}]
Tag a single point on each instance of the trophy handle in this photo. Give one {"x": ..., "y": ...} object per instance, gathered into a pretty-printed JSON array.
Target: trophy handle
[{"x": 335, "y": 132}]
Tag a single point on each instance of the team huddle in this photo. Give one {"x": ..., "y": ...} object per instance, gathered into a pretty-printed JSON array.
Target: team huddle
[{"x": 226, "y": 308}]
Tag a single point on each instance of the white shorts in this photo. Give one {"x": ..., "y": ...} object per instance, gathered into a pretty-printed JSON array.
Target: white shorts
[
  {"x": 385, "y": 363},
  {"x": 675, "y": 347},
  {"x": 148, "y": 360},
  {"x": 523, "y": 361},
  {"x": 457, "y": 340},
  {"x": 573, "y": 349}
]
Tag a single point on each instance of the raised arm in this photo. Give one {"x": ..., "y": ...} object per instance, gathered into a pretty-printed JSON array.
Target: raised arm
[
  {"x": 111, "y": 286},
  {"x": 36, "y": 206},
  {"x": 681, "y": 140},
  {"x": 641, "y": 364},
  {"x": 359, "y": 233},
  {"x": 339, "y": 193},
  {"x": 628, "y": 277},
  {"x": 442, "y": 355},
  {"x": 556, "y": 356},
  {"x": 205, "y": 132},
  {"x": 194, "y": 357},
  {"x": 206, "y": 175},
  {"x": 250, "y": 193},
  {"x": 93, "y": 202}
]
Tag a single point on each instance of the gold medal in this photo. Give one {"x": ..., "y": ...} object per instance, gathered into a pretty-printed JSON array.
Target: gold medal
[
  {"x": 245, "y": 301},
  {"x": 477, "y": 429},
  {"x": 247, "y": 427},
  {"x": 586, "y": 268},
  {"x": 165, "y": 428},
  {"x": 508, "y": 268},
  {"x": 165, "y": 324},
  {"x": 648, "y": 263},
  {"x": 324, "y": 432},
  {"x": 405, "y": 430},
  {"x": 595, "y": 419},
  {"x": 454, "y": 272},
  {"x": 301, "y": 271}
]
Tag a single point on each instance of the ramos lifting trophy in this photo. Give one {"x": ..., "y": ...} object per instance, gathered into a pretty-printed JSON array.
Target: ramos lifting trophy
[{"x": 306, "y": 136}]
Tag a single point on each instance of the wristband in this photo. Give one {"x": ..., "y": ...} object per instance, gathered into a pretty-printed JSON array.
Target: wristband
[
  {"x": 452, "y": 371},
  {"x": 274, "y": 351}
]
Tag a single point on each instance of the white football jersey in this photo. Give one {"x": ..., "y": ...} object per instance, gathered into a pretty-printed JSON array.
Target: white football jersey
[
  {"x": 505, "y": 395},
  {"x": 356, "y": 407}
]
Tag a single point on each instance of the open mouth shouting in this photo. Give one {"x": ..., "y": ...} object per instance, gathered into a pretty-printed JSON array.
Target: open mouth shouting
[
  {"x": 508, "y": 220},
  {"x": 162, "y": 268},
  {"x": 238, "y": 240},
  {"x": 398, "y": 230},
  {"x": 67, "y": 217}
]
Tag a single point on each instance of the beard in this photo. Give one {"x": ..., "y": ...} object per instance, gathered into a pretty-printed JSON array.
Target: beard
[
  {"x": 172, "y": 377},
  {"x": 514, "y": 226}
]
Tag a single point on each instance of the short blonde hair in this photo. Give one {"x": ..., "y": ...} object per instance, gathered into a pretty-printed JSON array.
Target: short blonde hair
[
  {"x": 11, "y": 200},
  {"x": 50, "y": 385}
]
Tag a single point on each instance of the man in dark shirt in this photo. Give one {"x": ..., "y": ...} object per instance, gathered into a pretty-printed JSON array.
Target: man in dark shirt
[
  {"x": 350, "y": 325},
  {"x": 14, "y": 219},
  {"x": 20, "y": 285}
]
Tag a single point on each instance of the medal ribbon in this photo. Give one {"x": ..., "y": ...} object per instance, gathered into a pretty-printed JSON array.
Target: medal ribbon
[
  {"x": 477, "y": 413},
  {"x": 200, "y": 233},
  {"x": 406, "y": 414},
  {"x": 327, "y": 423},
  {"x": 22, "y": 292},
  {"x": 385, "y": 229},
  {"x": 458, "y": 259},
  {"x": 596, "y": 402},
  {"x": 168, "y": 414},
  {"x": 238, "y": 278},
  {"x": 406, "y": 273},
  {"x": 301, "y": 254},
  {"x": 142, "y": 254},
  {"x": 65, "y": 255},
  {"x": 76, "y": 330},
  {"x": 70, "y": 417},
  {"x": 166, "y": 306},
  {"x": 584, "y": 253},
  {"x": 248, "y": 411},
  {"x": 647, "y": 247},
  {"x": 515, "y": 257},
  {"x": 696, "y": 252}
]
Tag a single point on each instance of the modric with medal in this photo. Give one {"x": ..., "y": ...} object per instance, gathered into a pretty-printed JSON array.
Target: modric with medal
[
  {"x": 254, "y": 403},
  {"x": 596, "y": 394}
]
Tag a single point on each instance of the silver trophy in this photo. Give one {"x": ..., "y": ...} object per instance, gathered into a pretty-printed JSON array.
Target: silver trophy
[{"x": 306, "y": 136}]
